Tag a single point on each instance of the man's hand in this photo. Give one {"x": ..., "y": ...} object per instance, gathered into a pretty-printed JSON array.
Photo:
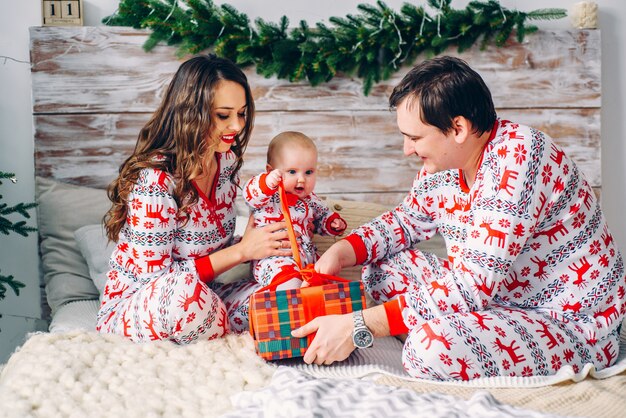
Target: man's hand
[{"x": 333, "y": 341}]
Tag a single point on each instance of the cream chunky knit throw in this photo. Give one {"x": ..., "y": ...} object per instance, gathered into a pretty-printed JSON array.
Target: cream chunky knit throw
[
  {"x": 94, "y": 375},
  {"x": 78, "y": 374}
]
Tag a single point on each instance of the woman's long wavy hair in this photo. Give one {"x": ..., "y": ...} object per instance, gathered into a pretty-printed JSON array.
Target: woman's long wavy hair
[{"x": 175, "y": 138}]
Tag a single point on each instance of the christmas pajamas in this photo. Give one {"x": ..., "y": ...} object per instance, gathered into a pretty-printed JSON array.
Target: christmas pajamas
[
  {"x": 308, "y": 215},
  {"x": 533, "y": 282},
  {"x": 160, "y": 282}
]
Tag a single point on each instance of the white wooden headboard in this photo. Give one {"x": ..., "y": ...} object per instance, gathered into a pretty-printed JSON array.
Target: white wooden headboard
[{"x": 94, "y": 87}]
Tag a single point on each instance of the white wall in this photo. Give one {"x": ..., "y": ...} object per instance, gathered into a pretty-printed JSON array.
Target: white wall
[{"x": 18, "y": 255}]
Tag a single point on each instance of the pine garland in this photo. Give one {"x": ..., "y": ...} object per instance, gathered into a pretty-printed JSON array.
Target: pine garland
[
  {"x": 372, "y": 44},
  {"x": 7, "y": 226}
]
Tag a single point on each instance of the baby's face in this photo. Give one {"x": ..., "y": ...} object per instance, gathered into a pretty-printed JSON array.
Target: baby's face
[{"x": 299, "y": 167}]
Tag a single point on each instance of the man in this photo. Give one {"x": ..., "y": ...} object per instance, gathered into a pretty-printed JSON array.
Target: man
[{"x": 533, "y": 279}]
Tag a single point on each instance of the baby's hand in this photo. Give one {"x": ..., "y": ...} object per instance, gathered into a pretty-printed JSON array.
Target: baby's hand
[
  {"x": 338, "y": 225},
  {"x": 273, "y": 179}
]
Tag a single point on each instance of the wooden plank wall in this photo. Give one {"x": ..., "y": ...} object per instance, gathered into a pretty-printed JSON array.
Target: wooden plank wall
[{"x": 94, "y": 87}]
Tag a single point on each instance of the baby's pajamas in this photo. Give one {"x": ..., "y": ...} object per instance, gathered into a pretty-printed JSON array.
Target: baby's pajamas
[{"x": 308, "y": 215}]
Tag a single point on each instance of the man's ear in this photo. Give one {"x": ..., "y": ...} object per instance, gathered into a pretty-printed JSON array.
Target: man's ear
[
  {"x": 462, "y": 128},
  {"x": 268, "y": 168}
]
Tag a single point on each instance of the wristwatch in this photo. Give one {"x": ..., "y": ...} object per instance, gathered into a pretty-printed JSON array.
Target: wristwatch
[{"x": 362, "y": 337}]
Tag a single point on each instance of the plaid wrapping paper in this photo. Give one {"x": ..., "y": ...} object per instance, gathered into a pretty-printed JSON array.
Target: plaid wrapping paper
[{"x": 275, "y": 313}]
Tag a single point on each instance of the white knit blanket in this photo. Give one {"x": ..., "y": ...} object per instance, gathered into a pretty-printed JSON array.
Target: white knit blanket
[
  {"x": 84, "y": 374},
  {"x": 80, "y": 373}
]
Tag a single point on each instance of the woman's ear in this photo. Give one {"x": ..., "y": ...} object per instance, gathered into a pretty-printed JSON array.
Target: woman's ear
[{"x": 462, "y": 129}]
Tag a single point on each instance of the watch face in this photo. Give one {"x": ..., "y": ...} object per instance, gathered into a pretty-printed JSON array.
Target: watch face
[{"x": 363, "y": 338}]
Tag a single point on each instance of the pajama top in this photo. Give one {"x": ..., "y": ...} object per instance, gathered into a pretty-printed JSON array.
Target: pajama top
[
  {"x": 528, "y": 235},
  {"x": 155, "y": 242}
]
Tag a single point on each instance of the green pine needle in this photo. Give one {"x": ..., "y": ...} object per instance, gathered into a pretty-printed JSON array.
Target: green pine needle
[{"x": 373, "y": 43}]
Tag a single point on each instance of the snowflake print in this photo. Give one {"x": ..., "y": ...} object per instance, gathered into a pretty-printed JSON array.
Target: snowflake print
[
  {"x": 527, "y": 371},
  {"x": 564, "y": 278},
  {"x": 535, "y": 245},
  {"x": 238, "y": 321},
  {"x": 412, "y": 320},
  {"x": 454, "y": 249},
  {"x": 375, "y": 295},
  {"x": 426, "y": 273},
  {"x": 499, "y": 331},
  {"x": 579, "y": 220},
  {"x": 556, "y": 362},
  {"x": 135, "y": 204},
  {"x": 429, "y": 201},
  {"x": 506, "y": 365},
  {"x": 514, "y": 249},
  {"x": 189, "y": 279},
  {"x": 475, "y": 234},
  {"x": 599, "y": 357},
  {"x": 163, "y": 334},
  {"x": 436, "y": 321},
  {"x": 576, "y": 368},
  {"x": 148, "y": 225},
  {"x": 148, "y": 253},
  {"x": 443, "y": 306},
  {"x": 604, "y": 260},
  {"x": 520, "y": 154},
  {"x": 594, "y": 248},
  {"x": 445, "y": 359},
  {"x": 546, "y": 174},
  {"x": 595, "y": 274},
  {"x": 568, "y": 355},
  {"x": 505, "y": 223},
  {"x": 525, "y": 271},
  {"x": 190, "y": 317}
]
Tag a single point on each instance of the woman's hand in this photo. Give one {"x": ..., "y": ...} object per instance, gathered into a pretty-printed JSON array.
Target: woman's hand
[
  {"x": 266, "y": 241},
  {"x": 333, "y": 338}
]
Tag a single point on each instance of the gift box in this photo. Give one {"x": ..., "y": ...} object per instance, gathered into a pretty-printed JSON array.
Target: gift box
[{"x": 275, "y": 313}]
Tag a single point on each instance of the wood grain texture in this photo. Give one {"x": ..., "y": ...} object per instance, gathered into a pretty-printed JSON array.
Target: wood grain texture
[
  {"x": 104, "y": 69},
  {"x": 94, "y": 88}
]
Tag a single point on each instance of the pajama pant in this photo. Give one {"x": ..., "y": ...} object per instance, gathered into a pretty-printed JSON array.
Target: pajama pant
[
  {"x": 181, "y": 308},
  {"x": 499, "y": 341}
]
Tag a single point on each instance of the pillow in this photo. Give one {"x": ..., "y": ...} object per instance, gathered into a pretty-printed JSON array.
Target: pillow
[
  {"x": 62, "y": 209},
  {"x": 96, "y": 250}
]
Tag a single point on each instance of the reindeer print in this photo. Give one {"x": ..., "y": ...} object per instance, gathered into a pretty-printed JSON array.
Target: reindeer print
[
  {"x": 155, "y": 288},
  {"x": 532, "y": 278}
]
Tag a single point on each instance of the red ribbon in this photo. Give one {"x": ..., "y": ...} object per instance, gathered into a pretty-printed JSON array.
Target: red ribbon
[{"x": 313, "y": 294}]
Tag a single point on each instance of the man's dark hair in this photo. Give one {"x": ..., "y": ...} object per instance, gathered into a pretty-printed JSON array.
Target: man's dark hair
[{"x": 444, "y": 88}]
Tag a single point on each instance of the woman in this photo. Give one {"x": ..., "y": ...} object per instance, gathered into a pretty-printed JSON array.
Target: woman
[{"x": 173, "y": 216}]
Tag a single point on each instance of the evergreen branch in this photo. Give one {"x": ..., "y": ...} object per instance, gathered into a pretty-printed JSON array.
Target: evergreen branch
[
  {"x": 12, "y": 283},
  {"x": 546, "y": 14},
  {"x": 373, "y": 43}
]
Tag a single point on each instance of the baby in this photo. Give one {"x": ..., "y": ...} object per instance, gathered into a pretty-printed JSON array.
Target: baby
[{"x": 292, "y": 159}]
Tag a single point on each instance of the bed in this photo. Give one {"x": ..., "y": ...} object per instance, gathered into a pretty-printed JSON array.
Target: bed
[{"x": 92, "y": 90}]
